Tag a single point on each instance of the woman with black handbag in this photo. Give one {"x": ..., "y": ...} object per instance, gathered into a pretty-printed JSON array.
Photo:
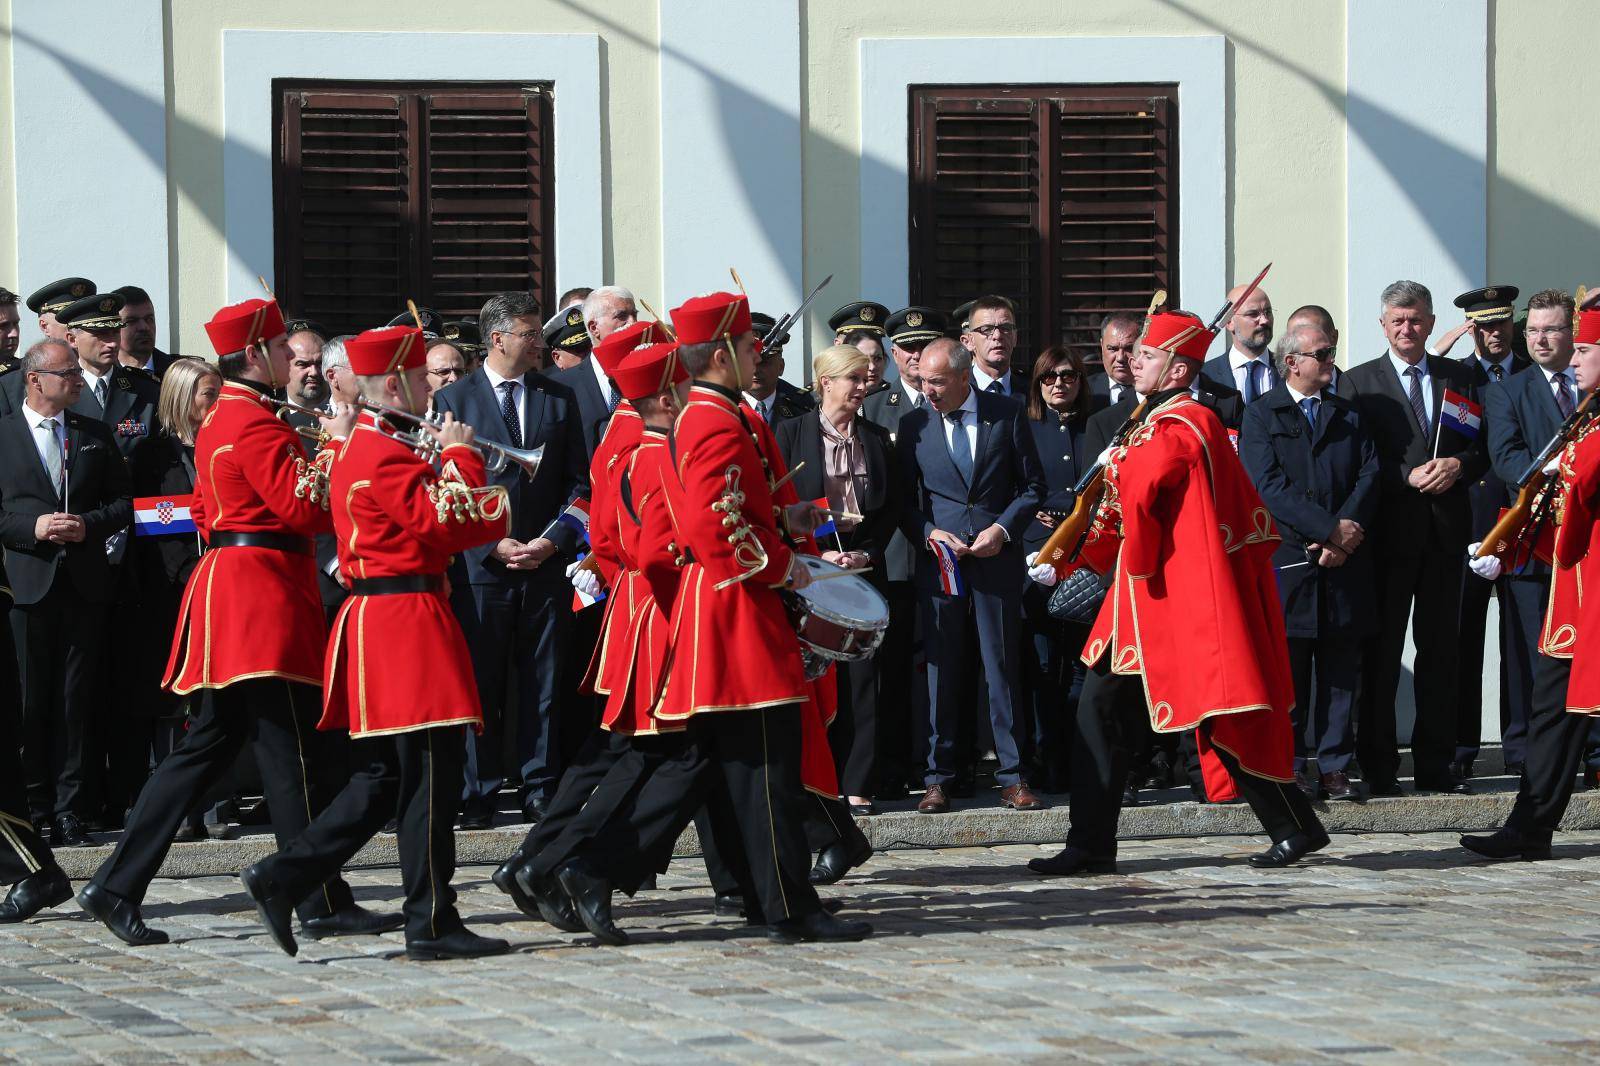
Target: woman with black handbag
[{"x": 1059, "y": 404}]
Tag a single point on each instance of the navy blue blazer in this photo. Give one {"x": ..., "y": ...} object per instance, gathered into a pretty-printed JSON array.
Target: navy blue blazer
[
  {"x": 1310, "y": 479},
  {"x": 1489, "y": 493},
  {"x": 1218, "y": 372},
  {"x": 1521, "y": 417},
  {"x": 553, "y": 420},
  {"x": 1060, "y": 444},
  {"x": 594, "y": 407},
  {"x": 1007, "y": 483}
]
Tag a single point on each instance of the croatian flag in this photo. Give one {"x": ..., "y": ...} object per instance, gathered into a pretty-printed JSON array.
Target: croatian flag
[
  {"x": 828, "y": 525},
  {"x": 1461, "y": 415},
  {"x": 576, "y": 517},
  {"x": 580, "y": 599},
  {"x": 949, "y": 569},
  {"x": 156, "y": 516}
]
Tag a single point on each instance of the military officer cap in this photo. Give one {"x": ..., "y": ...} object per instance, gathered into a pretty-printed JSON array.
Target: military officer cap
[
  {"x": 464, "y": 333},
  {"x": 432, "y": 324},
  {"x": 565, "y": 330},
  {"x": 93, "y": 312},
  {"x": 306, "y": 325},
  {"x": 762, "y": 325},
  {"x": 911, "y": 325},
  {"x": 1493, "y": 303},
  {"x": 958, "y": 317},
  {"x": 58, "y": 294},
  {"x": 863, "y": 316}
]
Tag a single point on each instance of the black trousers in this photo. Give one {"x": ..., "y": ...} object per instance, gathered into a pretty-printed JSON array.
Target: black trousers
[
  {"x": 1431, "y": 583},
  {"x": 1327, "y": 677},
  {"x": 22, "y": 851},
  {"x": 753, "y": 756},
  {"x": 1111, "y": 709},
  {"x": 301, "y": 770},
  {"x": 854, "y": 732},
  {"x": 902, "y": 742},
  {"x": 1556, "y": 742},
  {"x": 1475, "y": 596},
  {"x": 414, "y": 777},
  {"x": 1523, "y": 601},
  {"x": 61, "y": 653},
  {"x": 586, "y": 798}
]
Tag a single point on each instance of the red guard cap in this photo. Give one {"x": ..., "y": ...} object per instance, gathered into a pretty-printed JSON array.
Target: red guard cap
[
  {"x": 1586, "y": 327},
  {"x": 235, "y": 328},
  {"x": 1178, "y": 332},
  {"x": 711, "y": 317},
  {"x": 386, "y": 350},
  {"x": 615, "y": 348},
  {"x": 649, "y": 369}
]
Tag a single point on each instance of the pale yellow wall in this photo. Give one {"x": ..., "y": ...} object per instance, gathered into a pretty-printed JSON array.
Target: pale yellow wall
[
  {"x": 630, "y": 75},
  {"x": 1286, "y": 66},
  {"x": 8, "y": 169},
  {"x": 1544, "y": 208}
]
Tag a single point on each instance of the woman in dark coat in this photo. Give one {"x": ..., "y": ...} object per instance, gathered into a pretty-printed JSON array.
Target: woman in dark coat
[
  {"x": 1059, "y": 404},
  {"x": 847, "y": 459}
]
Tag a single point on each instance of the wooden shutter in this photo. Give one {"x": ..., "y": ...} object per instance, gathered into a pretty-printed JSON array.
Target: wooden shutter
[
  {"x": 1063, "y": 198},
  {"x": 436, "y": 194}
]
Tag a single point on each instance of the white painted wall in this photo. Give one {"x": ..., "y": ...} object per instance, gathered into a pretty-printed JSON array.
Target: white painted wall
[
  {"x": 91, "y": 147},
  {"x": 730, "y": 152},
  {"x": 251, "y": 59}
]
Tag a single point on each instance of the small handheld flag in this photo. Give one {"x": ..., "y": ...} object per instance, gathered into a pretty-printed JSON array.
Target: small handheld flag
[
  {"x": 1461, "y": 415},
  {"x": 581, "y": 599},
  {"x": 828, "y": 526},
  {"x": 156, "y": 516},
  {"x": 950, "y": 579},
  {"x": 575, "y": 517}
]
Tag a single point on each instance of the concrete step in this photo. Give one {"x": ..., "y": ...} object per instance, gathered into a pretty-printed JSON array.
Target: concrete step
[{"x": 973, "y": 823}]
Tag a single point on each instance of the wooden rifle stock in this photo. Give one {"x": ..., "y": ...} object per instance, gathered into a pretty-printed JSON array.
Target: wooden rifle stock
[
  {"x": 1071, "y": 532},
  {"x": 1511, "y": 539}
]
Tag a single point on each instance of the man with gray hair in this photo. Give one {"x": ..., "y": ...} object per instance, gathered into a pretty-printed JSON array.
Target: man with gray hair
[
  {"x": 605, "y": 310},
  {"x": 343, "y": 387},
  {"x": 1425, "y": 464}
]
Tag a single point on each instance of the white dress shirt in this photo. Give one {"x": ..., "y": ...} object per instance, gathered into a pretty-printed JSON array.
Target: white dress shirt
[
  {"x": 519, "y": 396},
  {"x": 1115, "y": 389},
  {"x": 91, "y": 383},
  {"x": 1489, "y": 364},
  {"x": 1566, "y": 375},
  {"x": 912, "y": 395},
  {"x": 969, "y": 422},
  {"x": 1241, "y": 362},
  {"x": 1400, "y": 368},
  {"x": 606, "y": 392},
  {"x": 41, "y": 441},
  {"x": 981, "y": 380},
  {"x": 763, "y": 407}
]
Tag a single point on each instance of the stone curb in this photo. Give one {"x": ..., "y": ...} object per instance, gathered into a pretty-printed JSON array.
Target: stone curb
[{"x": 968, "y": 826}]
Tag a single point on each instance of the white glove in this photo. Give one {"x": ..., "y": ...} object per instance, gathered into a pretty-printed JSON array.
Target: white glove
[
  {"x": 1553, "y": 467},
  {"x": 1104, "y": 458},
  {"x": 572, "y": 567},
  {"x": 1041, "y": 573},
  {"x": 1488, "y": 567},
  {"x": 586, "y": 582}
]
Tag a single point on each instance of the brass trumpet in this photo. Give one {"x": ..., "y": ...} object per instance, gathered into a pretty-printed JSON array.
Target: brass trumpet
[
  {"x": 312, "y": 433},
  {"x": 498, "y": 454}
]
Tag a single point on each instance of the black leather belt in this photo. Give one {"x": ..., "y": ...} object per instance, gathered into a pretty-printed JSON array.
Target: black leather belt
[
  {"x": 393, "y": 586},
  {"x": 282, "y": 542}
]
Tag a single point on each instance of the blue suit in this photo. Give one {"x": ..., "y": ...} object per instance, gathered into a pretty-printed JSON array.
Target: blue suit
[
  {"x": 1006, "y": 488},
  {"x": 1311, "y": 477},
  {"x": 516, "y": 619}
]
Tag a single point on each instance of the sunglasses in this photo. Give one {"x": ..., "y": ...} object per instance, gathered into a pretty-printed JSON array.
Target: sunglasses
[
  {"x": 1049, "y": 377},
  {"x": 1321, "y": 355}
]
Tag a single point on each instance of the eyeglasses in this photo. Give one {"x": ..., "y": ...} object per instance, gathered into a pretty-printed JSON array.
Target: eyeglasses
[
  {"x": 994, "y": 329},
  {"x": 1321, "y": 355},
  {"x": 1548, "y": 331},
  {"x": 1049, "y": 377},
  {"x": 446, "y": 372},
  {"x": 70, "y": 372},
  {"x": 520, "y": 334}
]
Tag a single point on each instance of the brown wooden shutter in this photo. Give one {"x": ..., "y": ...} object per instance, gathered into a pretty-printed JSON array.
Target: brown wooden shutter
[
  {"x": 389, "y": 192},
  {"x": 1063, "y": 198}
]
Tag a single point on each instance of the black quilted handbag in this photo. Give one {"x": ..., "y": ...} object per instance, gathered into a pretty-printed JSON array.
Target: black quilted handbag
[{"x": 1077, "y": 597}]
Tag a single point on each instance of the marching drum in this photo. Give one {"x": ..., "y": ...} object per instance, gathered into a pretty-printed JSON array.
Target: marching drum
[{"x": 838, "y": 618}]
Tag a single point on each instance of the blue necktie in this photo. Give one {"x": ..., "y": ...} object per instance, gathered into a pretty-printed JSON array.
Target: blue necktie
[
  {"x": 960, "y": 448},
  {"x": 508, "y": 411},
  {"x": 1309, "y": 406},
  {"x": 995, "y": 388},
  {"x": 1414, "y": 394},
  {"x": 1252, "y": 381}
]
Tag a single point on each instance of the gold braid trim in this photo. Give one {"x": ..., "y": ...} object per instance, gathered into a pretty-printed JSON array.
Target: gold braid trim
[
  {"x": 311, "y": 478},
  {"x": 748, "y": 551},
  {"x": 453, "y": 498}
]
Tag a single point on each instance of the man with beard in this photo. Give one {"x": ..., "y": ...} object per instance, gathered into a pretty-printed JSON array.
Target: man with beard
[
  {"x": 306, "y": 385},
  {"x": 1247, "y": 366}
]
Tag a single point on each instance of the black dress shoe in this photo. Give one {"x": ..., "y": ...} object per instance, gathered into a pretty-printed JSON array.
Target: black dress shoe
[
  {"x": 818, "y": 925},
  {"x": 839, "y": 858},
  {"x": 863, "y": 810},
  {"x": 1515, "y": 769},
  {"x": 188, "y": 831},
  {"x": 1130, "y": 795},
  {"x": 728, "y": 906},
  {"x": 477, "y": 816},
  {"x": 461, "y": 944},
  {"x": 1384, "y": 787},
  {"x": 32, "y": 894},
  {"x": 119, "y": 915},
  {"x": 69, "y": 832},
  {"x": 550, "y": 900},
  {"x": 591, "y": 897},
  {"x": 1449, "y": 785},
  {"x": 1461, "y": 768},
  {"x": 273, "y": 908},
  {"x": 505, "y": 879},
  {"x": 1505, "y": 844},
  {"x": 354, "y": 920},
  {"x": 1073, "y": 862},
  {"x": 534, "y": 808},
  {"x": 1289, "y": 850}
]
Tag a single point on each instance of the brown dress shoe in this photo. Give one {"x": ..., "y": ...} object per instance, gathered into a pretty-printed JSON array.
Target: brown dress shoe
[
  {"x": 1338, "y": 786},
  {"x": 933, "y": 801},
  {"x": 1019, "y": 797}
]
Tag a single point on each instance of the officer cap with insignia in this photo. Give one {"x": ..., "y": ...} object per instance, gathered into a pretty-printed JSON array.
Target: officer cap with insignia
[
  {"x": 915, "y": 325},
  {"x": 863, "y": 316},
  {"x": 464, "y": 333},
  {"x": 1493, "y": 303},
  {"x": 565, "y": 330},
  {"x": 103, "y": 311},
  {"x": 762, "y": 325},
  {"x": 432, "y": 324},
  {"x": 958, "y": 317},
  {"x": 58, "y": 294}
]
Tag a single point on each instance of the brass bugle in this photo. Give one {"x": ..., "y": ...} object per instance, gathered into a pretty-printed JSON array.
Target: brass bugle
[
  {"x": 290, "y": 405},
  {"x": 498, "y": 454}
]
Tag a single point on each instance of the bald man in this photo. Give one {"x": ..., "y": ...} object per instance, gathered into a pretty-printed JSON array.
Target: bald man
[{"x": 1247, "y": 366}]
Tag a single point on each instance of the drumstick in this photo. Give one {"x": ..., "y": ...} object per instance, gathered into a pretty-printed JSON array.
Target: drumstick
[
  {"x": 830, "y": 575},
  {"x": 784, "y": 480}
]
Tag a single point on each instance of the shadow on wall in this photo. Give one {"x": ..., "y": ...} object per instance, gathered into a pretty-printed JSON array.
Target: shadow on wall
[{"x": 1380, "y": 129}]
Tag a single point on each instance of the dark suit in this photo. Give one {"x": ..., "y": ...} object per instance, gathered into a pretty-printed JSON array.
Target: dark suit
[
  {"x": 1006, "y": 488},
  {"x": 1103, "y": 425},
  {"x": 1016, "y": 381},
  {"x": 333, "y": 594},
  {"x": 1217, "y": 374},
  {"x": 132, "y": 397},
  {"x": 1099, "y": 386},
  {"x": 519, "y": 619},
  {"x": 1421, "y": 542},
  {"x": 788, "y": 401},
  {"x": 594, "y": 407},
  {"x": 62, "y": 595},
  {"x": 1310, "y": 479},
  {"x": 1521, "y": 417},
  {"x": 854, "y": 733}
]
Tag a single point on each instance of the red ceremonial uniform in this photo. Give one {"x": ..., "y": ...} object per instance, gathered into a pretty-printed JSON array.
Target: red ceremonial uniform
[
  {"x": 1572, "y": 619},
  {"x": 1191, "y": 544},
  {"x": 399, "y": 662},
  {"x": 250, "y": 612}
]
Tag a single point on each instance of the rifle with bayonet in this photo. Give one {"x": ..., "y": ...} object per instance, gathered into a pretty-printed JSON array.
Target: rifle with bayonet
[{"x": 1513, "y": 537}]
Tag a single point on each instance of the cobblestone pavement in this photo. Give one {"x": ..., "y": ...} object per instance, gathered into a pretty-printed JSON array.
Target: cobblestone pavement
[{"x": 1388, "y": 949}]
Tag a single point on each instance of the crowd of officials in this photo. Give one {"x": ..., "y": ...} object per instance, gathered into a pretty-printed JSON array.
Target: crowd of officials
[{"x": 1376, "y": 514}]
